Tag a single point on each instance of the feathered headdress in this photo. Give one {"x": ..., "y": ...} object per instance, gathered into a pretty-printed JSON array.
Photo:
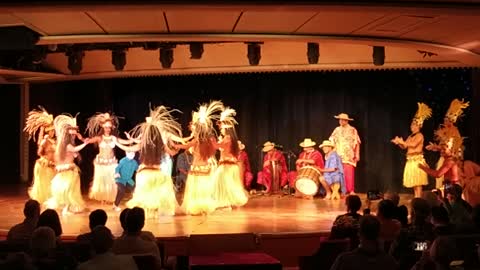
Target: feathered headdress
[
  {"x": 227, "y": 118},
  {"x": 423, "y": 113},
  {"x": 456, "y": 109},
  {"x": 161, "y": 120},
  {"x": 204, "y": 118},
  {"x": 99, "y": 121},
  {"x": 37, "y": 119},
  {"x": 64, "y": 122}
]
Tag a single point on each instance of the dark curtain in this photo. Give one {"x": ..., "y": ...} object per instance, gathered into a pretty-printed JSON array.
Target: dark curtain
[
  {"x": 10, "y": 141},
  {"x": 284, "y": 108}
]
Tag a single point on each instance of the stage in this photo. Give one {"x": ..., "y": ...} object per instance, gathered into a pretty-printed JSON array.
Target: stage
[{"x": 262, "y": 214}]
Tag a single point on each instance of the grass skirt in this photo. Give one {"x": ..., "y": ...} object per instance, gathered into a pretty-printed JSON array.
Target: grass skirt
[
  {"x": 104, "y": 187},
  {"x": 66, "y": 190},
  {"x": 43, "y": 174},
  {"x": 228, "y": 186},
  {"x": 198, "y": 196},
  {"x": 154, "y": 192},
  {"x": 412, "y": 175}
]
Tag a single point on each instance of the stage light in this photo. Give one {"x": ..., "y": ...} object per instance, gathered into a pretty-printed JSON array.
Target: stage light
[
  {"x": 378, "y": 55},
  {"x": 166, "y": 55},
  {"x": 196, "y": 50},
  {"x": 313, "y": 52},
  {"x": 254, "y": 53},
  {"x": 119, "y": 58},
  {"x": 75, "y": 61}
]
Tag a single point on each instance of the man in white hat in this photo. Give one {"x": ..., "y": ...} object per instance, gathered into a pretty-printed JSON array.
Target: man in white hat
[
  {"x": 274, "y": 173},
  {"x": 347, "y": 145},
  {"x": 309, "y": 157},
  {"x": 246, "y": 171}
]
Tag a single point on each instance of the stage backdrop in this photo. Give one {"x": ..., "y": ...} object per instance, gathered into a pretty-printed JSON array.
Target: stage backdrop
[{"x": 282, "y": 107}]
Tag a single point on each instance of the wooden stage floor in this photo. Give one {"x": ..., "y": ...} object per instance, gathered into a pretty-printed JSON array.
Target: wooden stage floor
[{"x": 262, "y": 214}]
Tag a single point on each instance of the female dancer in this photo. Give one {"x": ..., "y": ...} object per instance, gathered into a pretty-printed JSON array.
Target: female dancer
[
  {"x": 446, "y": 131},
  {"x": 413, "y": 176},
  {"x": 44, "y": 171},
  {"x": 228, "y": 184},
  {"x": 65, "y": 187},
  {"x": 154, "y": 188},
  {"x": 198, "y": 196},
  {"x": 99, "y": 128}
]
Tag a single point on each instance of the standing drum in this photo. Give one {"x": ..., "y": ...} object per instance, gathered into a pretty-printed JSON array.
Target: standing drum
[{"x": 308, "y": 180}]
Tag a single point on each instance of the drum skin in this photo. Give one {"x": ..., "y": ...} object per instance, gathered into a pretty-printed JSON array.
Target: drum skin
[{"x": 308, "y": 180}]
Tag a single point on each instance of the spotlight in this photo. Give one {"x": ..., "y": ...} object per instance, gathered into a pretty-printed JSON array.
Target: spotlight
[
  {"x": 313, "y": 53},
  {"x": 378, "y": 55},
  {"x": 119, "y": 58},
  {"x": 75, "y": 61},
  {"x": 254, "y": 54},
  {"x": 196, "y": 50},
  {"x": 166, "y": 55}
]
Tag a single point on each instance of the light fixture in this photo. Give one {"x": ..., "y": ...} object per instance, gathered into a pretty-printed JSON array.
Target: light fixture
[
  {"x": 378, "y": 55},
  {"x": 119, "y": 58},
  {"x": 254, "y": 53},
  {"x": 313, "y": 52},
  {"x": 196, "y": 50}
]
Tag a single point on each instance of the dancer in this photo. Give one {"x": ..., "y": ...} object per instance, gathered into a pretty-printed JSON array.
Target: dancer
[
  {"x": 333, "y": 178},
  {"x": 154, "y": 190},
  {"x": 347, "y": 145},
  {"x": 413, "y": 177},
  {"x": 44, "y": 170},
  {"x": 123, "y": 177},
  {"x": 446, "y": 131},
  {"x": 274, "y": 173},
  {"x": 449, "y": 169},
  {"x": 309, "y": 157},
  {"x": 65, "y": 188},
  {"x": 245, "y": 170},
  {"x": 99, "y": 128},
  {"x": 228, "y": 184},
  {"x": 198, "y": 196},
  {"x": 470, "y": 180}
]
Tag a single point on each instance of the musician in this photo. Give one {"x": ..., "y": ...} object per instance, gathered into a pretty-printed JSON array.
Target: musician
[
  {"x": 347, "y": 145},
  {"x": 184, "y": 161},
  {"x": 309, "y": 157},
  {"x": 246, "y": 171},
  {"x": 333, "y": 173},
  {"x": 274, "y": 173}
]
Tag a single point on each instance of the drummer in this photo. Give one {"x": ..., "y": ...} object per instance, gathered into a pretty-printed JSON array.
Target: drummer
[
  {"x": 333, "y": 176},
  {"x": 309, "y": 157}
]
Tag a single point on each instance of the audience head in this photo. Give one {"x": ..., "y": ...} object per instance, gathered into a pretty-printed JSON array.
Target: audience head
[
  {"x": 454, "y": 192},
  {"x": 369, "y": 228},
  {"x": 135, "y": 220},
  {"x": 123, "y": 218},
  {"x": 353, "y": 203},
  {"x": 442, "y": 251},
  {"x": 50, "y": 219},
  {"x": 440, "y": 215},
  {"x": 43, "y": 242},
  {"x": 394, "y": 197},
  {"x": 476, "y": 215},
  {"x": 386, "y": 209},
  {"x": 420, "y": 210},
  {"x": 31, "y": 210},
  {"x": 403, "y": 215},
  {"x": 102, "y": 239},
  {"x": 97, "y": 217},
  {"x": 431, "y": 198}
]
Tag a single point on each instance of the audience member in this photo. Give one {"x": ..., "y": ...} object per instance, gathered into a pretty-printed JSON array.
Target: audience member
[
  {"x": 441, "y": 221},
  {"x": 43, "y": 248},
  {"x": 369, "y": 254},
  {"x": 102, "y": 242},
  {"x": 389, "y": 227},
  {"x": 401, "y": 211},
  {"x": 132, "y": 243},
  {"x": 419, "y": 230},
  {"x": 346, "y": 226},
  {"x": 50, "y": 219},
  {"x": 145, "y": 235},
  {"x": 476, "y": 218},
  {"x": 439, "y": 256},
  {"x": 24, "y": 230},
  {"x": 458, "y": 210},
  {"x": 96, "y": 218}
]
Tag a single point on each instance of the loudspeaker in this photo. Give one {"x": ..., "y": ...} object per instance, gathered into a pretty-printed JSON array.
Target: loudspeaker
[{"x": 18, "y": 38}]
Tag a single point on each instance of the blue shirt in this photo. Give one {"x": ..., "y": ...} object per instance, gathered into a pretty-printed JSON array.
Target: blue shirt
[
  {"x": 334, "y": 161},
  {"x": 126, "y": 168}
]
